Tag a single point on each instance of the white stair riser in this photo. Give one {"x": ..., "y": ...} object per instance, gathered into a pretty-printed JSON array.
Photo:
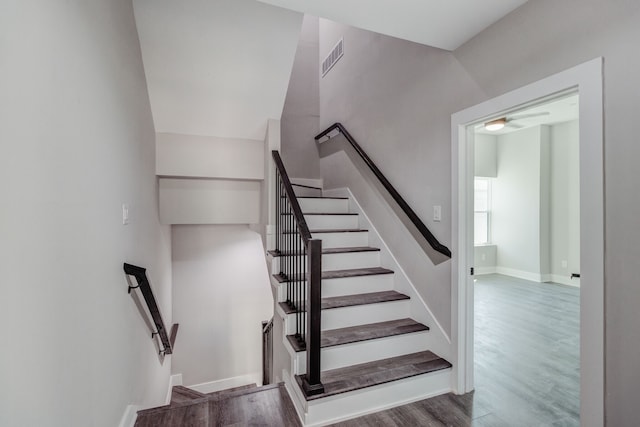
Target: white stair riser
[
  {"x": 342, "y": 261},
  {"x": 331, "y": 222},
  {"x": 324, "y": 205},
  {"x": 348, "y": 286},
  {"x": 340, "y": 356},
  {"x": 372, "y": 399},
  {"x": 344, "y": 317},
  {"x": 342, "y": 240},
  {"x": 357, "y": 285},
  {"x": 304, "y": 191}
]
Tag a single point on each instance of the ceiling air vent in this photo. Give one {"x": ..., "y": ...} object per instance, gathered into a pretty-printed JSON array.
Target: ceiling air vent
[{"x": 333, "y": 57}]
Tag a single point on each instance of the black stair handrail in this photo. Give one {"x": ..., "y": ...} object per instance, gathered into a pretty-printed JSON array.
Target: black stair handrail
[
  {"x": 145, "y": 288},
  {"x": 413, "y": 217},
  {"x": 300, "y": 260}
]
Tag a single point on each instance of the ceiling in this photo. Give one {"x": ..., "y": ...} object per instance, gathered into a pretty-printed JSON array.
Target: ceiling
[
  {"x": 446, "y": 24},
  {"x": 559, "y": 110},
  {"x": 216, "y": 67}
]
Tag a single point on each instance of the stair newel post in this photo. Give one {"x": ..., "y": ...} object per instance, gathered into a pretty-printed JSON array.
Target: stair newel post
[{"x": 311, "y": 383}]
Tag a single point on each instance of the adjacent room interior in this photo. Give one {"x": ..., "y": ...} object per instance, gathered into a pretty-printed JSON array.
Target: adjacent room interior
[{"x": 527, "y": 262}]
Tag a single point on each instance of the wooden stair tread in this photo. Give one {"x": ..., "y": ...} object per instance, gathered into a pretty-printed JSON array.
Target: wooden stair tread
[
  {"x": 352, "y": 300},
  {"x": 340, "y": 274},
  {"x": 340, "y": 230},
  {"x": 322, "y": 213},
  {"x": 232, "y": 390},
  {"x": 362, "y": 299},
  {"x": 180, "y": 394},
  {"x": 321, "y": 197},
  {"x": 354, "y": 272},
  {"x": 370, "y": 331},
  {"x": 327, "y": 251},
  {"x": 378, "y": 372},
  {"x": 332, "y": 230}
]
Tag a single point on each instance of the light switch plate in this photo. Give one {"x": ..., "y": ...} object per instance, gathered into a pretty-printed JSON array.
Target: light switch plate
[
  {"x": 437, "y": 213},
  {"x": 125, "y": 214}
]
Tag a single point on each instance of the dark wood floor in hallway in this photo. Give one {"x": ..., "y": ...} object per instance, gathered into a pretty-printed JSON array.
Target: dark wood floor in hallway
[{"x": 526, "y": 362}]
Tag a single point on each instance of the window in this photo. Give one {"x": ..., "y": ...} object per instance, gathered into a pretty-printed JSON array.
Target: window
[{"x": 482, "y": 211}]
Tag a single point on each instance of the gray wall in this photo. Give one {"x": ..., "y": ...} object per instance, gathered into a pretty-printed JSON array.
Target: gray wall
[
  {"x": 485, "y": 155},
  {"x": 397, "y": 98},
  {"x": 221, "y": 294},
  {"x": 299, "y": 122},
  {"x": 517, "y": 213},
  {"x": 77, "y": 142}
]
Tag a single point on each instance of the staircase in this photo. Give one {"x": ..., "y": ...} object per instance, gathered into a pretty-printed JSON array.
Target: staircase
[
  {"x": 377, "y": 336},
  {"x": 241, "y": 406}
]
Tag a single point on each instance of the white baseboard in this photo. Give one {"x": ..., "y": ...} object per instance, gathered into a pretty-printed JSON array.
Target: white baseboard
[
  {"x": 479, "y": 271},
  {"x": 173, "y": 381},
  {"x": 564, "y": 280},
  {"x": 520, "y": 274},
  {"x": 213, "y": 386},
  {"x": 129, "y": 417}
]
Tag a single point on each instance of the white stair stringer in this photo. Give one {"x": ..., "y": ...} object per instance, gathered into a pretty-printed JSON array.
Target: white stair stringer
[{"x": 368, "y": 400}]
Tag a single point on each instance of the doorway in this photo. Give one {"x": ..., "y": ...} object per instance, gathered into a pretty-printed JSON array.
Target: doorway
[{"x": 585, "y": 79}]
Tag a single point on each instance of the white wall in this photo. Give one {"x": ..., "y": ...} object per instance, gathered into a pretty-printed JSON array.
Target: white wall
[
  {"x": 218, "y": 68},
  {"x": 565, "y": 202},
  {"x": 397, "y": 98},
  {"x": 486, "y": 157},
  {"x": 209, "y": 157},
  {"x": 77, "y": 141},
  {"x": 221, "y": 294},
  {"x": 302, "y": 107},
  {"x": 516, "y": 214},
  {"x": 209, "y": 201}
]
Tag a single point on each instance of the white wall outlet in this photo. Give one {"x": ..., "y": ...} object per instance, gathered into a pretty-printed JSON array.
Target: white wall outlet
[
  {"x": 437, "y": 213},
  {"x": 484, "y": 257},
  {"x": 564, "y": 263},
  {"x": 125, "y": 214}
]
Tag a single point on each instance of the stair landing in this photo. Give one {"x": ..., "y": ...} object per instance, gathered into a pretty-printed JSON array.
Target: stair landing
[{"x": 267, "y": 405}]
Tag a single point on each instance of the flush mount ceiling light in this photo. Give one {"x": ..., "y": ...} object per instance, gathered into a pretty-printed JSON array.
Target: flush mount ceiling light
[{"x": 495, "y": 125}]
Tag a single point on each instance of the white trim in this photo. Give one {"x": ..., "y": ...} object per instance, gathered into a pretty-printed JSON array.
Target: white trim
[
  {"x": 564, "y": 280},
  {"x": 524, "y": 275},
  {"x": 174, "y": 380},
  {"x": 587, "y": 79},
  {"x": 479, "y": 271},
  {"x": 226, "y": 383},
  {"x": 129, "y": 417}
]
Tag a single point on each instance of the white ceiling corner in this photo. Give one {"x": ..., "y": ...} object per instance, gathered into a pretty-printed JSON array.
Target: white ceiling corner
[
  {"x": 442, "y": 24},
  {"x": 216, "y": 67}
]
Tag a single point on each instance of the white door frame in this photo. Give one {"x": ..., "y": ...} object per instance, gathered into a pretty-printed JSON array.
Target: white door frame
[{"x": 587, "y": 80}]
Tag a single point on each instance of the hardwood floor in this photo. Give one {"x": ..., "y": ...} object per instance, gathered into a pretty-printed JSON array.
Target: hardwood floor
[{"x": 526, "y": 362}]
